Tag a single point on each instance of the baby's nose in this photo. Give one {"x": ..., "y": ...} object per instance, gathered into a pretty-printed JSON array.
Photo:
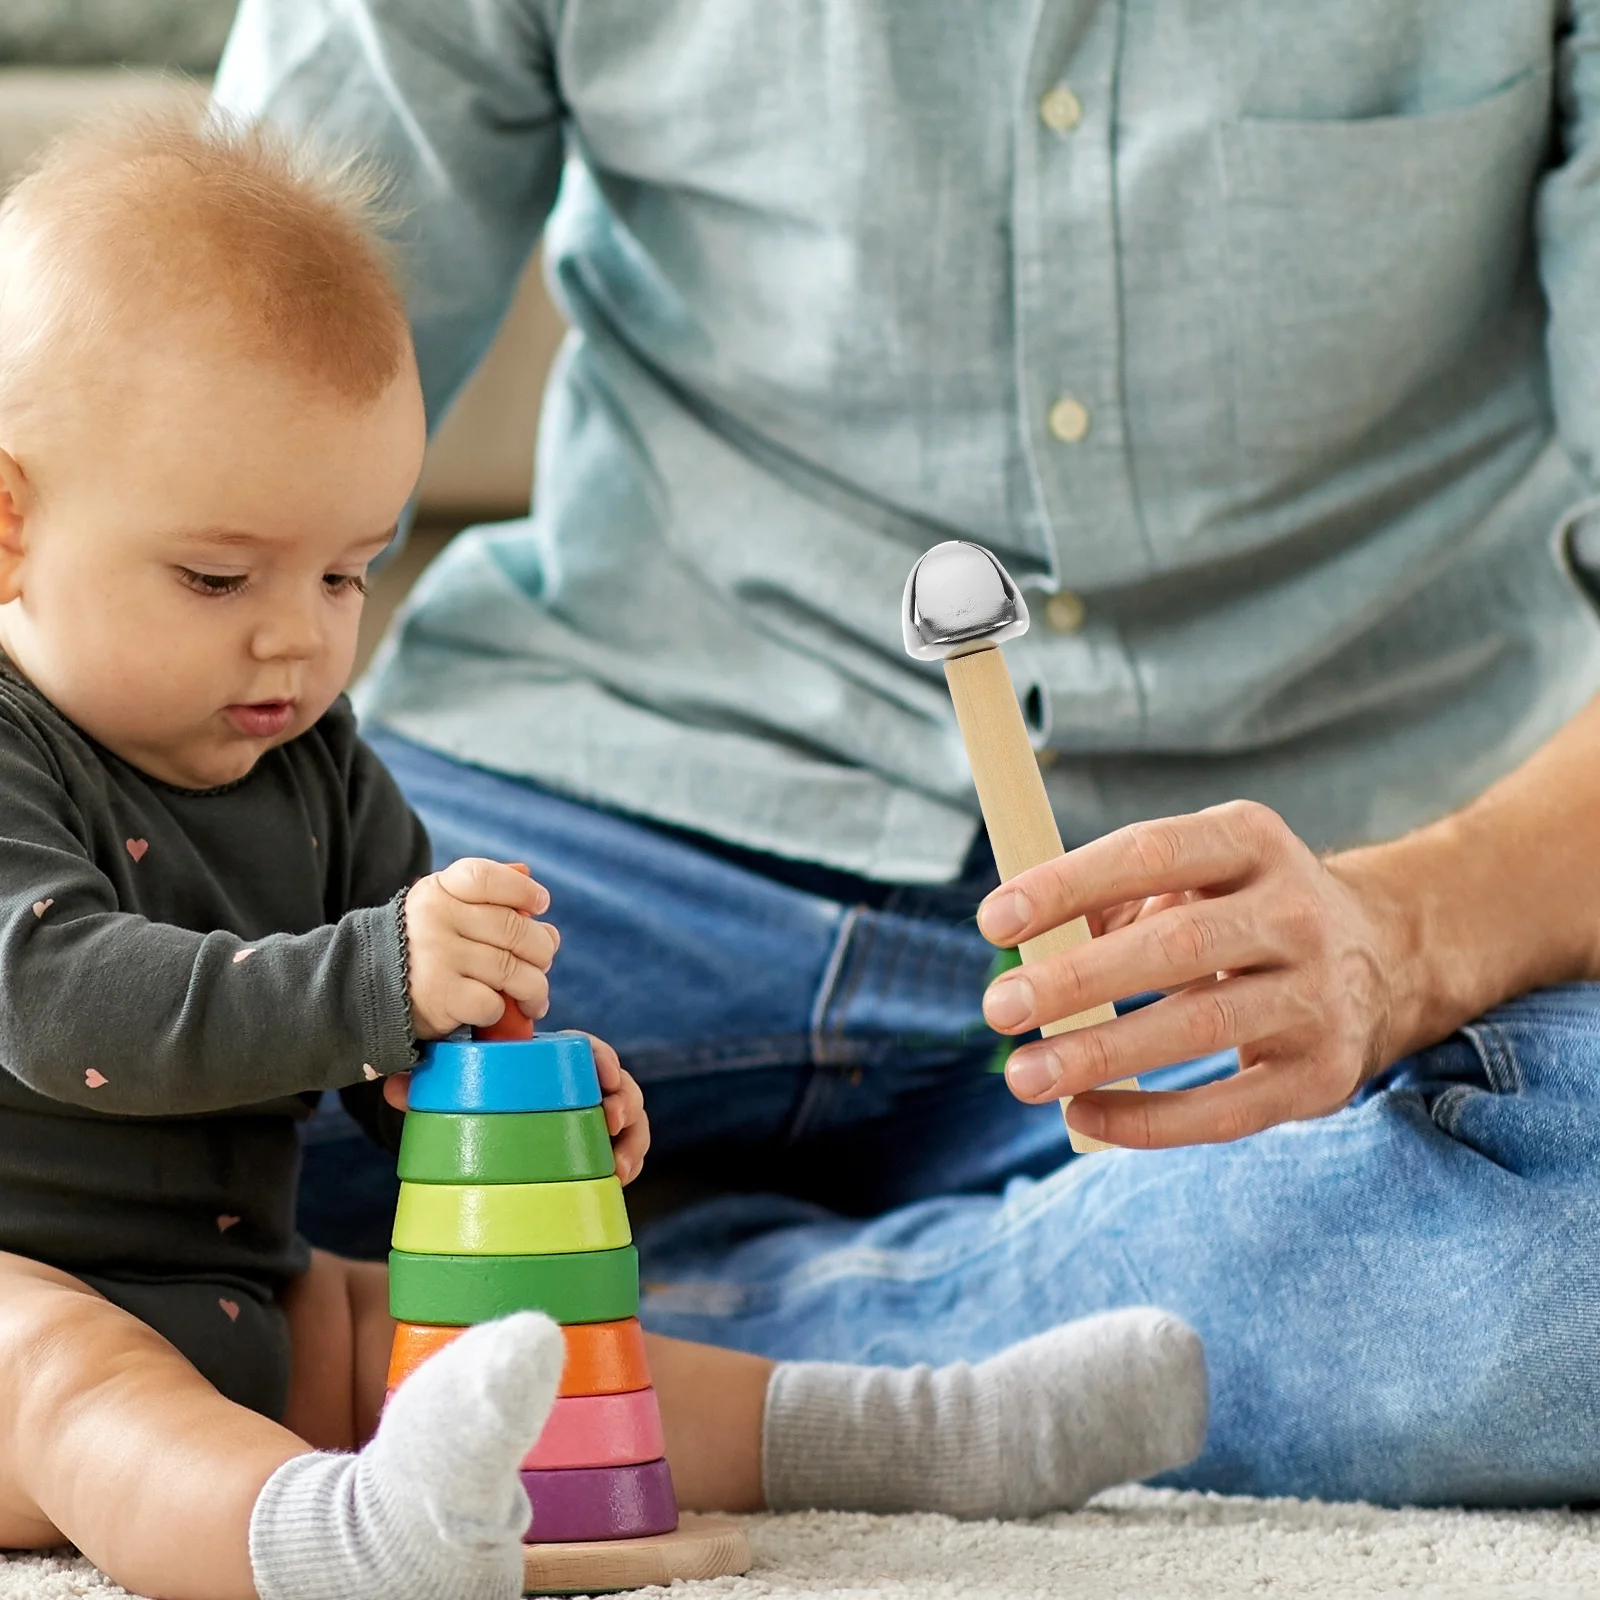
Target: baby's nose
[{"x": 290, "y": 633}]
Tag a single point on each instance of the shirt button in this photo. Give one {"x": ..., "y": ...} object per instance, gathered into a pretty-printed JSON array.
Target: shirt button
[
  {"x": 1061, "y": 110},
  {"x": 1069, "y": 420},
  {"x": 1064, "y": 611}
]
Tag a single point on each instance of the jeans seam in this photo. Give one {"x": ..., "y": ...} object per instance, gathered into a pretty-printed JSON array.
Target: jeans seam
[
  {"x": 840, "y": 979},
  {"x": 1498, "y": 1055},
  {"x": 821, "y": 1043},
  {"x": 1446, "y": 1108}
]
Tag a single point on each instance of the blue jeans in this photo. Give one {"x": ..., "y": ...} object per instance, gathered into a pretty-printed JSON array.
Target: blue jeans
[{"x": 1400, "y": 1302}]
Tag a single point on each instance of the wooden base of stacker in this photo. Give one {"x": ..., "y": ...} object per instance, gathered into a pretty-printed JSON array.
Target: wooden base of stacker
[{"x": 700, "y": 1547}]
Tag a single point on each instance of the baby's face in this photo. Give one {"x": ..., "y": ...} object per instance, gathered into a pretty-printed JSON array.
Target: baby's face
[{"x": 190, "y": 552}]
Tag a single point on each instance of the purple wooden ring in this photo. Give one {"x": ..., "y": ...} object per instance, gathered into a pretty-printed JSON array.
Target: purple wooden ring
[{"x": 600, "y": 1503}]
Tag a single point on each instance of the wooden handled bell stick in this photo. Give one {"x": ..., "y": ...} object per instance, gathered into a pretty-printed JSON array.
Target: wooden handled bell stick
[{"x": 959, "y": 604}]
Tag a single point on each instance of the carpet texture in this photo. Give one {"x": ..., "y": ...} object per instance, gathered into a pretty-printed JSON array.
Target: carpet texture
[{"x": 1131, "y": 1544}]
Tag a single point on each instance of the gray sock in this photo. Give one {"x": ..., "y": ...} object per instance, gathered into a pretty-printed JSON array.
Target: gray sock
[
  {"x": 1039, "y": 1427},
  {"x": 432, "y": 1508}
]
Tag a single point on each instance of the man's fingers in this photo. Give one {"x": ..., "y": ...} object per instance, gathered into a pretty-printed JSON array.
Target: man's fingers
[
  {"x": 1213, "y": 1113},
  {"x": 397, "y": 1090},
  {"x": 1174, "y": 947},
  {"x": 482, "y": 882},
  {"x": 1223, "y": 846},
  {"x": 1198, "y": 1022}
]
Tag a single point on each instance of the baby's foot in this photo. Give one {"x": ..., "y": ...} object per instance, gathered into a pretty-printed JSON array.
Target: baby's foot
[
  {"x": 432, "y": 1508},
  {"x": 1039, "y": 1427}
]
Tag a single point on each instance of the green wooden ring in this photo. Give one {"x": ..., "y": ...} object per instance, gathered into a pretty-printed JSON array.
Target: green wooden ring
[
  {"x": 510, "y": 1219},
  {"x": 457, "y": 1291},
  {"x": 505, "y": 1147}
]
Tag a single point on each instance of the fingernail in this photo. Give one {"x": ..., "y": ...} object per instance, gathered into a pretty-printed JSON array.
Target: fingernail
[
  {"x": 542, "y": 1012},
  {"x": 1008, "y": 1002},
  {"x": 1002, "y": 915},
  {"x": 1031, "y": 1072}
]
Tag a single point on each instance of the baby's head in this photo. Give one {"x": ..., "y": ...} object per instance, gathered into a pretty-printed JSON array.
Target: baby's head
[{"x": 210, "y": 421}]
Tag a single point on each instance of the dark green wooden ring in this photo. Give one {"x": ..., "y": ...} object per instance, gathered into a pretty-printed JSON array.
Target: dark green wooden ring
[
  {"x": 505, "y": 1146},
  {"x": 455, "y": 1291}
]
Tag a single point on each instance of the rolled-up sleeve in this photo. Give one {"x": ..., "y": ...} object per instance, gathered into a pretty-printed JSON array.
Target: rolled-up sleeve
[{"x": 455, "y": 101}]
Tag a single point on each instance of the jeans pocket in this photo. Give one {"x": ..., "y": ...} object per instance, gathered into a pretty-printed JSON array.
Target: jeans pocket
[
  {"x": 1540, "y": 1116},
  {"x": 1365, "y": 254}
]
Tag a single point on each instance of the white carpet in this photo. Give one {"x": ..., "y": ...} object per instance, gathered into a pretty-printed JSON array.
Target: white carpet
[{"x": 1132, "y": 1544}]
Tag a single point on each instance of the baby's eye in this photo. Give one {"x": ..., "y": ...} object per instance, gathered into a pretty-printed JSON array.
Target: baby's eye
[
  {"x": 339, "y": 582},
  {"x": 213, "y": 582}
]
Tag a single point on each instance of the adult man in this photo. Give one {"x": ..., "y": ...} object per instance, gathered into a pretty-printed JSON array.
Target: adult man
[{"x": 1228, "y": 328}]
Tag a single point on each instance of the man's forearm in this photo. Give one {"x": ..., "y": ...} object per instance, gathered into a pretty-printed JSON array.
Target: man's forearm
[{"x": 1501, "y": 897}]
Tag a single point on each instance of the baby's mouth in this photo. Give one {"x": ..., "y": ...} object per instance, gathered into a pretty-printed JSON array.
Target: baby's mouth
[{"x": 261, "y": 719}]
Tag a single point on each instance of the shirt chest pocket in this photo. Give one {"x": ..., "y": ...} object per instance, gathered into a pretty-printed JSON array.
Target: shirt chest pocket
[{"x": 1365, "y": 256}]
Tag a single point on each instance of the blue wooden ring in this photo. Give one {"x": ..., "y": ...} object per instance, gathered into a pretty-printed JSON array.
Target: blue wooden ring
[{"x": 551, "y": 1072}]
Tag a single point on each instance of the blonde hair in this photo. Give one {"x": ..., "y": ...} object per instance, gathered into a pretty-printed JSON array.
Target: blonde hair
[{"x": 143, "y": 221}]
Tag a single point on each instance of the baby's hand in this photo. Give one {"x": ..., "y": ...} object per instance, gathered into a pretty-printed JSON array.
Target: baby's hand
[
  {"x": 472, "y": 939},
  {"x": 623, "y": 1103}
]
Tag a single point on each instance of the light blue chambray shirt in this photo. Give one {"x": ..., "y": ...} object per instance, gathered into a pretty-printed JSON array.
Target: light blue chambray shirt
[{"x": 1269, "y": 329}]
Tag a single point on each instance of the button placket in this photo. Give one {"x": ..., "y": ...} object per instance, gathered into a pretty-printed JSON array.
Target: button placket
[
  {"x": 1070, "y": 385},
  {"x": 1068, "y": 300}
]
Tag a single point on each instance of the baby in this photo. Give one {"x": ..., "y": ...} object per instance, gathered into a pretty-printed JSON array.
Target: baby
[{"x": 215, "y": 904}]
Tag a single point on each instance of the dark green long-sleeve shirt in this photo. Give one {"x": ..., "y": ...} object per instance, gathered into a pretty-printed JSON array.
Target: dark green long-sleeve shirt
[{"x": 180, "y": 972}]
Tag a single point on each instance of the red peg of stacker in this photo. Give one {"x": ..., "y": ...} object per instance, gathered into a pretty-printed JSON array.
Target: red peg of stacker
[{"x": 512, "y": 1024}]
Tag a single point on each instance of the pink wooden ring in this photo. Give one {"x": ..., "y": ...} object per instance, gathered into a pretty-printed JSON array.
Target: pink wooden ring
[{"x": 599, "y": 1430}]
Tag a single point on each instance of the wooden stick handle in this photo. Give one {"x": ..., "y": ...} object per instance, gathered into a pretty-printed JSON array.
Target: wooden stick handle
[{"x": 1022, "y": 827}]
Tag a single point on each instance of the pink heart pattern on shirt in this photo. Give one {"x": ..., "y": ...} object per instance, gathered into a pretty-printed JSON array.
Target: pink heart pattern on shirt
[
  {"x": 95, "y": 1080},
  {"x": 368, "y": 1073},
  {"x": 224, "y": 1222},
  {"x": 137, "y": 847},
  {"x": 231, "y": 1307},
  {"x": 242, "y": 955},
  {"x": 42, "y": 906}
]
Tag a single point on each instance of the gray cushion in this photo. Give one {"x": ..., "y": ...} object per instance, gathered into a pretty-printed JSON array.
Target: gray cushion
[{"x": 165, "y": 33}]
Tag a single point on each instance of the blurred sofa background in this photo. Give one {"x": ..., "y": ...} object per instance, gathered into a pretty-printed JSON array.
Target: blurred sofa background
[{"x": 62, "y": 60}]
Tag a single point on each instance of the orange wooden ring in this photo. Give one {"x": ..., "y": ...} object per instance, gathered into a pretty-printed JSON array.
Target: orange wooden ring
[{"x": 602, "y": 1357}]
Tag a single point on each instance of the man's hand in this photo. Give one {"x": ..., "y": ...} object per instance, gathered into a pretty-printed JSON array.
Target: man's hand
[
  {"x": 620, "y": 1099},
  {"x": 1256, "y": 943},
  {"x": 472, "y": 939}
]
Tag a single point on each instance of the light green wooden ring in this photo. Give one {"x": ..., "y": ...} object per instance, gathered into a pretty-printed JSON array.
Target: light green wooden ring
[
  {"x": 505, "y": 1147},
  {"x": 510, "y": 1219}
]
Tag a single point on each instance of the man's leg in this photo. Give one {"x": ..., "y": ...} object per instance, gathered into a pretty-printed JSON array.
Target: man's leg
[
  {"x": 1400, "y": 1302},
  {"x": 785, "y": 1022}
]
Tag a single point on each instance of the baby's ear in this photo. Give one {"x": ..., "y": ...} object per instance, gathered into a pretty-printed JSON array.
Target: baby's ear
[{"x": 14, "y": 497}]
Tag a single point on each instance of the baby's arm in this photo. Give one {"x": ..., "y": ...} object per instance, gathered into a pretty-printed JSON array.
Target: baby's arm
[{"x": 105, "y": 1009}]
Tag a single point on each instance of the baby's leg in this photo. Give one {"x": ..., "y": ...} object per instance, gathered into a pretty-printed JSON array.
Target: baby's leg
[
  {"x": 111, "y": 1440},
  {"x": 1041, "y": 1426},
  {"x": 340, "y": 1334}
]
